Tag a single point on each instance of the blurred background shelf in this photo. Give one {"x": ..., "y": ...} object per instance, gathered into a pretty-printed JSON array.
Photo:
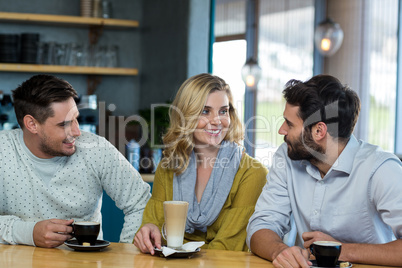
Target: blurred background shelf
[
  {"x": 66, "y": 20},
  {"x": 19, "y": 67}
]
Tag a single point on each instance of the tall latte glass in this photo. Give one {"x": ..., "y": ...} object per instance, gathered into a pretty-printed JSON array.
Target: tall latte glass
[{"x": 175, "y": 222}]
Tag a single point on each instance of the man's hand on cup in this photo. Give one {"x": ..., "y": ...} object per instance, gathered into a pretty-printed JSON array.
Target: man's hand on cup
[
  {"x": 147, "y": 238},
  {"x": 310, "y": 237},
  {"x": 292, "y": 257},
  {"x": 52, "y": 233}
]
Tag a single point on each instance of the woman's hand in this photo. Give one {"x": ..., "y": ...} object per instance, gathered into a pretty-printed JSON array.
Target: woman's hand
[{"x": 147, "y": 238}]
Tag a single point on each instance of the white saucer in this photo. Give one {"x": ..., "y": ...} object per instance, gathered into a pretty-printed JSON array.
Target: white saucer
[{"x": 178, "y": 254}]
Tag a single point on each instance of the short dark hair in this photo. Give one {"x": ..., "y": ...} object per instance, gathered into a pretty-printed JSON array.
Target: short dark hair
[
  {"x": 324, "y": 99},
  {"x": 35, "y": 95}
]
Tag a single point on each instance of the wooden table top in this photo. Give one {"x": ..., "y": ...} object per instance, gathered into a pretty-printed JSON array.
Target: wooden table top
[{"x": 124, "y": 255}]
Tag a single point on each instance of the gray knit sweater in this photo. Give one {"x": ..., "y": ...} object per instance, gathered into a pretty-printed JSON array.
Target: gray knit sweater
[{"x": 34, "y": 189}]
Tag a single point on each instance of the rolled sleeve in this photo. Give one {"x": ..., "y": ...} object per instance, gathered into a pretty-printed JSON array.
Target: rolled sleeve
[
  {"x": 266, "y": 218},
  {"x": 273, "y": 209},
  {"x": 23, "y": 232}
]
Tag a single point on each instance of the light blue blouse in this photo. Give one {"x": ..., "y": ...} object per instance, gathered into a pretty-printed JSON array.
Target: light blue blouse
[{"x": 359, "y": 200}]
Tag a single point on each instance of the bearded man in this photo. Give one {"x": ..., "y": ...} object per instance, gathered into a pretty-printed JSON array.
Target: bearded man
[{"x": 334, "y": 187}]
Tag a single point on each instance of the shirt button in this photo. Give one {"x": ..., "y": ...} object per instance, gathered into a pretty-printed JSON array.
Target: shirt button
[{"x": 315, "y": 212}]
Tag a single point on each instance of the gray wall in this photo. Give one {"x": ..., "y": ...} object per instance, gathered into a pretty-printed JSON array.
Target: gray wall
[
  {"x": 198, "y": 40},
  {"x": 174, "y": 46},
  {"x": 170, "y": 45}
]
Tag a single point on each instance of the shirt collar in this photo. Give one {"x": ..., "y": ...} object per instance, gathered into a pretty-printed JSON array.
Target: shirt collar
[
  {"x": 344, "y": 163},
  {"x": 345, "y": 160}
]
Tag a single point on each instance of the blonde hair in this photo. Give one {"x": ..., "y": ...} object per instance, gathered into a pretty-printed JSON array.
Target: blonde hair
[{"x": 184, "y": 115}]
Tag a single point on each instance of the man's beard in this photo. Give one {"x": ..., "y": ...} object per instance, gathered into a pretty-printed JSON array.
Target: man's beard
[
  {"x": 302, "y": 147},
  {"x": 47, "y": 148}
]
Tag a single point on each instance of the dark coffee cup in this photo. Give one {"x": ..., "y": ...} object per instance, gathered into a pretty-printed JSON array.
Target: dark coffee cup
[
  {"x": 326, "y": 252},
  {"x": 86, "y": 232}
]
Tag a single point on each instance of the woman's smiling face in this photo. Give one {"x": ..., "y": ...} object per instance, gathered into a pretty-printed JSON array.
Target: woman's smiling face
[{"x": 214, "y": 121}]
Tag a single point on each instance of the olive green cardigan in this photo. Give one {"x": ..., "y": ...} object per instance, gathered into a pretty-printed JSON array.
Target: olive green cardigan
[{"x": 229, "y": 230}]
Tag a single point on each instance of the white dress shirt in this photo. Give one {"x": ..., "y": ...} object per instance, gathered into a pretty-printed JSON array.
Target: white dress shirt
[{"x": 359, "y": 200}]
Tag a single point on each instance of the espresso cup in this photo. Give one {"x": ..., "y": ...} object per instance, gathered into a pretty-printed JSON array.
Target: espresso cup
[
  {"x": 86, "y": 231},
  {"x": 175, "y": 223},
  {"x": 326, "y": 252}
]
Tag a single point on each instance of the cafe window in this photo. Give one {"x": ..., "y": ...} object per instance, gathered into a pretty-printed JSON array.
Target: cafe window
[
  {"x": 367, "y": 62},
  {"x": 285, "y": 51},
  {"x": 229, "y": 48},
  {"x": 383, "y": 72}
]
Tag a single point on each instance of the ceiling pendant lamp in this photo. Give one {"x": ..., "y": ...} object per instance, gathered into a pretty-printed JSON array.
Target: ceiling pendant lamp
[
  {"x": 251, "y": 73},
  {"x": 328, "y": 37}
]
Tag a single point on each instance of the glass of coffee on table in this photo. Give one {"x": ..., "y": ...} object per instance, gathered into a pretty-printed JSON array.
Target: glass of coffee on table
[{"x": 173, "y": 229}]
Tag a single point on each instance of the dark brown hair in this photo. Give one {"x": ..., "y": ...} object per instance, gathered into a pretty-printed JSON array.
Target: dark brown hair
[
  {"x": 35, "y": 96},
  {"x": 324, "y": 99}
]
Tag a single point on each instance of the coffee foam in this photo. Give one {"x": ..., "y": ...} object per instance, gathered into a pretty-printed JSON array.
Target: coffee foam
[
  {"x": 327, "y": 243},
  {"x": 176, "y": 209},
  {"x": 86, "y": 223},
  {"x": 176, "y": 202}
]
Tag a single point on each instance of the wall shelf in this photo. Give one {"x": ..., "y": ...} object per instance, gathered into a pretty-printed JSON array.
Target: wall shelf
[
  {"x": 95, "y": 26},
  {"x": 66, "y": 20},
  {"x": 35, "y": 68}
]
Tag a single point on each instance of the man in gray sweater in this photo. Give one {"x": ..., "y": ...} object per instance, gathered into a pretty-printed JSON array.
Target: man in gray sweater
[{"x": 51, "y": 173}]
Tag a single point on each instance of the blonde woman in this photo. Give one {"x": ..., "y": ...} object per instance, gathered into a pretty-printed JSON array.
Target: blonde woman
[{"x": 204, "y": 164}]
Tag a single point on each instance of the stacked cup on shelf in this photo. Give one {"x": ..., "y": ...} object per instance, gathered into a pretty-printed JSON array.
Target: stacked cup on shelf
[
  {"x": 9, "y": 48},
  {"x": 105, "y": 56},
  {"x": 96, "y": 8},
  {"x": 29, "y": 47},
  {"x": 106, "y": 7},
  {"x": 78, "y": 54},
  {"x": 19, "y": 48},
  {"x": 86, "y": 8}
]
